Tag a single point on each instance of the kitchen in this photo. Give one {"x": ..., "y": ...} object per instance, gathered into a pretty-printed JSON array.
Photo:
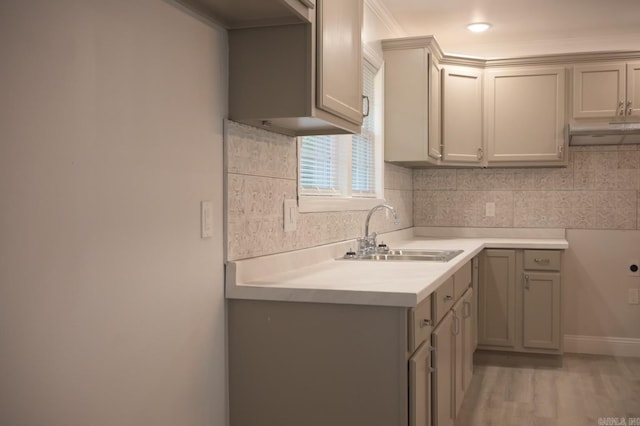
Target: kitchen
[{"x": 113, "y": 325}]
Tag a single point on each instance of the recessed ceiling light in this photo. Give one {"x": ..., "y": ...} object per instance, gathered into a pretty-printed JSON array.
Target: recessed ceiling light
[{"x": 478, "y": 27}]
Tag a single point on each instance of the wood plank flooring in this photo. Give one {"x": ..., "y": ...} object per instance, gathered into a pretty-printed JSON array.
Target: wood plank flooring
[{"x": 512, "y": 389}]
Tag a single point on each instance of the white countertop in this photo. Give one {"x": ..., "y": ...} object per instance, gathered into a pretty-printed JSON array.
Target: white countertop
[{"x": 383, "y": 283}]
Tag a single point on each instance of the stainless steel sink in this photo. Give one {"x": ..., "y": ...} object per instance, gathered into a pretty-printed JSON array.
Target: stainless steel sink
[{"x": 411, "y": 255}]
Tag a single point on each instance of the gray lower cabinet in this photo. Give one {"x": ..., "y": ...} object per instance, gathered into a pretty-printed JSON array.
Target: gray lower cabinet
[
  {"x": 497, "y": 299},
  {"x": 420, "y": 386},
  {"x": 463, "y": 332},
  {"x": 520, "y": 301},
  {"x": 318, "y": 364},
  {"x": 541, "y": 310},
  {"x": 443, "y": 340}
]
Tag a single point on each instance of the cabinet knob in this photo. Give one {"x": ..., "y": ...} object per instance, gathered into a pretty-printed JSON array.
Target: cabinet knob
[
  {"x": 621, "y": 108},
  {"x": 447, "y": 298},
  {"x": 480, "y": 153},
  {"x": 426, "y": 323},
  {"x": 526, "y": 282},
  {"x": 629, "y": 108}
]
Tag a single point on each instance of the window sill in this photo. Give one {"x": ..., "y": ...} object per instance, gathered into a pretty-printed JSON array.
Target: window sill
[{"x": 310, "y": 204}]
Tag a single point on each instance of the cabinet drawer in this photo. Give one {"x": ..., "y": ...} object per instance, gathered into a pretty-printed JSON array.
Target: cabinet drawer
[
  {"x": 543, "y": 260},
  {"x": 443, "y": 299},
  {"x": 462, "y": 280},
  {"x": 420, "y": 324}
]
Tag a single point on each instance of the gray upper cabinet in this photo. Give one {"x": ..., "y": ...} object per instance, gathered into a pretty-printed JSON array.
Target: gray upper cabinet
[
  {"x": 412, "y": 101},
  {"x": 525, "y": 116},
  {"x": 339, "y": 41},
  {"x": 462, "y": 115},
  {"x": 300, "y": 79},
  {"x": 606, "y": 90}
]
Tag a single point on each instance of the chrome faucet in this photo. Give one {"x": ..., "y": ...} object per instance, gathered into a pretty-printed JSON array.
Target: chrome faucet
[{"x": 367, "y": 244}]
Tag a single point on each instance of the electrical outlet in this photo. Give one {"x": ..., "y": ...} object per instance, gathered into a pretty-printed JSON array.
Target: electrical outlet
[
  {"x": 633, "y": 296},
  {"x": 490, "y": 209}
]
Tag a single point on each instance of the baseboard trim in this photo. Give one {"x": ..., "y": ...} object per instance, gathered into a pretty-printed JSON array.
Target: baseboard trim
[{"x": 597, "y": 345}]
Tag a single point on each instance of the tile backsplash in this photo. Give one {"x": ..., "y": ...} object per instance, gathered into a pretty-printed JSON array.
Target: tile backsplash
[
  {"x": 261, "y": 172},
  {"x": 597, "y": 190}
]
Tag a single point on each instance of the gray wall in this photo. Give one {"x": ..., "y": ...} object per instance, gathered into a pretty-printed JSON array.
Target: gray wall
[{"x": 111, "y": 306}]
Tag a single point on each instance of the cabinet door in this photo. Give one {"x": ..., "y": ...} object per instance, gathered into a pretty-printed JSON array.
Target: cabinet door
[
  {"x": 633, "y": 89},
  {"x": 541, "y": 310},
  {"x": 496, "y": 293},
  {"x": 406, "y": 111},
  {"x": 598, "y": 90},
  {"x": 458, "y": 356},
  {"x": 420, "y": 387},
  {"x": 468, "y": 346},
  {"x": 525, "y": 116},
  {"x": 462, "y": 114},
  {"x": 435, "y": 119},
  {"x": 339, "y": 73},
  {"x": 442, "y": 382},
  {"x": 475, "y": 262},
  {"x": 463, "y": 332}
]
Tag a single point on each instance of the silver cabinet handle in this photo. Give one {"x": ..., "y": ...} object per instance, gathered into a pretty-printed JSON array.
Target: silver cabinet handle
[
  {"x": 629, "y": 108},
  {"x": 526, "y": 282},
  {"x": 366, "y": 98},
  {"x": 467, "y": 309},
  {"x": 426, "y": 323},
  {"x": 447, "y": 298},
  {"x": 621, "y": 108},
  {"x": 480, "y": 154},
  {"x": 542, "y": 260},
  {"x": 456, "y": 325},
  {"x": 434, "y": 358}
]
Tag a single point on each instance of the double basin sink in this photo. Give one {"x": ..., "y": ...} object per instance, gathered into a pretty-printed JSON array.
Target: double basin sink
[{"x": 407, "y": 254}]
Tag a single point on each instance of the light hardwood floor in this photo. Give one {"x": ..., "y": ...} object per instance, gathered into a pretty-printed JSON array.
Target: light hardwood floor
[{"x": 510, "y": 389}]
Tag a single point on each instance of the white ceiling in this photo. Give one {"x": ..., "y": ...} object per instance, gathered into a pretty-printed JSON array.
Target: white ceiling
[{"x": 522, "y": 27}]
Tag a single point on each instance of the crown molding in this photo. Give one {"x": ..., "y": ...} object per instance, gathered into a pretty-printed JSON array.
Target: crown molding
[
  {"x": 381, "y": 11},
  {"x": 371, "y": 55},
  {"x": 430, "y": 43}
]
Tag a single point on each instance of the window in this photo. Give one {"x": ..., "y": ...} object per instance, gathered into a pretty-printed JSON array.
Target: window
[{"x": 344, "y": 172}]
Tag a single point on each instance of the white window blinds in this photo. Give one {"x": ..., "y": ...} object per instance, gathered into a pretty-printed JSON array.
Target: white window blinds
[
  {"x": 363, "y": 176},
  {"x": 319, "y": 162}
]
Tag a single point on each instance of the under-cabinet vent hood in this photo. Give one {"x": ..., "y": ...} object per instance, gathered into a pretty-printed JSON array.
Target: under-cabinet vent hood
[{"x": 604, "y": 133}]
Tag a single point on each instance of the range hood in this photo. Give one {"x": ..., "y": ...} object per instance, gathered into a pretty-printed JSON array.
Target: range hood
[{"x": 616, "y": 133}]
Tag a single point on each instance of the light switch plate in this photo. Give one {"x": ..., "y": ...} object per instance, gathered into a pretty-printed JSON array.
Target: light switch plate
[
  {"x": 290, "y": 215},
  {"x": 206, "y": 219}
]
